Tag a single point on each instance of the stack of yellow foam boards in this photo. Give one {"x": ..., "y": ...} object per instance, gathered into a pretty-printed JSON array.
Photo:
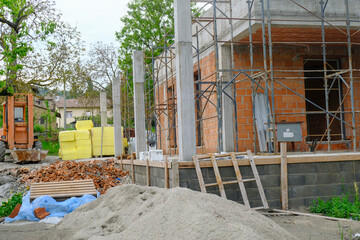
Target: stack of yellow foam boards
[
  {"x": 84, "y": 125},
  {"x": 108, "y": 141},
  {"x": 68, "y": 149},
  {"x": 83, "y": 144}
]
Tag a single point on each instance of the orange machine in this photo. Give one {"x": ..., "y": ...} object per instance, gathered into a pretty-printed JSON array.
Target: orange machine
[{"x": 17, "y": 134}]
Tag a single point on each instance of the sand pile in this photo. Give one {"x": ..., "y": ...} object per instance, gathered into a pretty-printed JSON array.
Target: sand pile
[{"x": 136, "y": 212}]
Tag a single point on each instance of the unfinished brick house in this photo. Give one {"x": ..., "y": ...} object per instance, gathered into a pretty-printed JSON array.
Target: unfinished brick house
[{"x": 259, "y": 63}]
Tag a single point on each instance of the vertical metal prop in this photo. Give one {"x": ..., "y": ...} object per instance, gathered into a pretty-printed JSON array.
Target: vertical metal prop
[
  {"x": 351, "y": 73},
  {"x": 325, "y": 72}
]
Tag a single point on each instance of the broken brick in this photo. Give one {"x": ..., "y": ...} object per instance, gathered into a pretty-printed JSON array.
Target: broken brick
[
  {"x": 41, "y": 213},
  {"x": 105, "y": 174},
  {"x": 15, "y": 212}
]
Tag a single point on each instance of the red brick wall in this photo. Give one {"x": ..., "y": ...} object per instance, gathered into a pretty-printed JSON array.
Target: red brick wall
[{"x": 288, "y": 106}]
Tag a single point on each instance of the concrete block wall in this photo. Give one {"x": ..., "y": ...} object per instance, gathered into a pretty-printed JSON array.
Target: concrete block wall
[
  {"x": 307, "y": 182},
  {"x": 157, "y": 175}
]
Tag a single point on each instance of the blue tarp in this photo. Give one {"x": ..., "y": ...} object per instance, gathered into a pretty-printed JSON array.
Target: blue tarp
[{"x": 56, "y": 209}]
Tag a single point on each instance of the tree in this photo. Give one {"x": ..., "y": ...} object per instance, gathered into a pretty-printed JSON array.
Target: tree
[
  {"x": 103, "y": 65},
  {"x": 22, "y": 24},
  {"x": 144, "y": 27}
]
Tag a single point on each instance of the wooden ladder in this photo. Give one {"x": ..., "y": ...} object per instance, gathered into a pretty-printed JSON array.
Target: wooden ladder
[{"x": 239, "y": 180}]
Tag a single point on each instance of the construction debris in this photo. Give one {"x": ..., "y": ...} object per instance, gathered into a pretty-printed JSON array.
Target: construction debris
[
  {"x": 104, "y": 173},
  {"x": 16, "y": 210},
  {"x": 41, "y": 213}
]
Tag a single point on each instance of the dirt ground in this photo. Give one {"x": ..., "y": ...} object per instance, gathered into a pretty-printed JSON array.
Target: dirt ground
[
  {"x": 301, "y": 226},
  {"x": 317, "y": 228}
]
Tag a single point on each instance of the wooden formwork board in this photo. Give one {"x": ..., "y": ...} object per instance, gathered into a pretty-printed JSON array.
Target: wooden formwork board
[{"x": 63, "y": 189}]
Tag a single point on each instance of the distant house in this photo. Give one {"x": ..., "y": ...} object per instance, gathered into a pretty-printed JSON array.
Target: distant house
[
  {"x": 41, "y": 107},
  {"x": 77, "y": 108}
]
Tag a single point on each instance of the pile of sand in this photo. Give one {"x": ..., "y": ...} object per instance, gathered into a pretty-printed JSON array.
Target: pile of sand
[{"x": 137, "y": 212}]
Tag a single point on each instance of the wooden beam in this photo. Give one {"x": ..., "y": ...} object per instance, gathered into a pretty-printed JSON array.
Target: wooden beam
[
  {"x": 259, "y": 160},
  {"x": 166, "y": 184},
  {"x": 314, "y": 215},
  {"x": 147, "y": 173},
  {"x": 199, "y": 175},
  {"x": 175, "y": 173},
  {"x": 218, "y": 176},
  {"x": 284, "y": 176},
  {"x": 132, "y": 170}
]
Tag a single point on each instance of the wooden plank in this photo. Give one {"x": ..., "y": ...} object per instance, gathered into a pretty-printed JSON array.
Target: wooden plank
[
  {"x": 276, "y": 159},
  {"x": 62, "y": 195},
  {"x": 258, "y": 182},
  {"x": 147, "y": 173},
  {"x": 205, "y": 156},
  {"x": 63, "y": 189},
  {"x": 166, "y": 169},
  {"x": 199, "y": 174},
  {"x": 61, "y": 183},
  {"x": 218, "y": 177},
  {"x": 89, "y": 182},
  {"x": 158, "y": 164},
  {"x": 284, "y": 176},
  {"x": 314, "y": 215},
  {"x": 240, "y": 180}
]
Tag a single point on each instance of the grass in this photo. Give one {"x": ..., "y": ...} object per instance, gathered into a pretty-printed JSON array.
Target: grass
[
  {"x": 340, "y": 207},
  {"x": 8, "y": 206},
  {"x": 52, "y": 146}
]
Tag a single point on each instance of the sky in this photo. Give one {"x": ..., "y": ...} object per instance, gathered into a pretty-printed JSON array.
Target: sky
[{"x": 97, "y": 20}]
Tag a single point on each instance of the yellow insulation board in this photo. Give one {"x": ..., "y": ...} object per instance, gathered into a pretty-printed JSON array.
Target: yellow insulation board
[
  {"x": 82, "y": 135},
  {"x": 84, "y": 125},
  {"x": 66, "y": 136}
]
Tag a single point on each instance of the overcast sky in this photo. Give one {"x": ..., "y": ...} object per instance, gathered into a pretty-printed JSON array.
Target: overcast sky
[{"x": 97, "y": 20}]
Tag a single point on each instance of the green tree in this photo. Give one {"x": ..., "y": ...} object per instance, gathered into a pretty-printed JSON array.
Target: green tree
[
  {"x": 144, "y": 27},
  {"x": 22, "y": 24}
]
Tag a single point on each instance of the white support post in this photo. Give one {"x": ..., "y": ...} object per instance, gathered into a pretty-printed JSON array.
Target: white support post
[
  {"x": 116, "y": 91},
  {"x": 103, "y": 109},
  {"x": 139, "y": 103},
  {"x": 227, "y": 103},
  {"x": 184, "y": 80}
]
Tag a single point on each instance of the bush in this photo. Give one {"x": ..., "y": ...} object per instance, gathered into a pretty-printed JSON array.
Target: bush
[
  {"x": 339, "y": 207},
  {"x": 7, "y": 207},
  {"x": 52, "y": 146},
  {"x": 39, "y": 128}
]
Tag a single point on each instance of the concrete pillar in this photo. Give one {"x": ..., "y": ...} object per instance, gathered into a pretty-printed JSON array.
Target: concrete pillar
[
  {"x": 116, "y": 92},
  {"x": 139, "y": 103},
  {"x": 227, "y": 103},
  {"x": 184, "y": 80},
  {"x": 103, "y": 109}
]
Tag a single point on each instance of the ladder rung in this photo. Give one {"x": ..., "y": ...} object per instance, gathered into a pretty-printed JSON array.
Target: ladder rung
[
  {"x": 210, "y": 184},
  {"x": 249, "y": 180},
  {"x": 231, "y": 182},
  {"x": 258, "y": 208}
]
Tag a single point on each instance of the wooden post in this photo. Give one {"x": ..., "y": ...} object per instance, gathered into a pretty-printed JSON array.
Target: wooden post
[
  {"x": 166, "y": 185},
  {"x": 175, "y": 173},
  {"x": 284, "y": 176},
  {"x": 121, "y": 162},
  {"x": 147, "y": 173},
  {"x": 132, "y": 169}
]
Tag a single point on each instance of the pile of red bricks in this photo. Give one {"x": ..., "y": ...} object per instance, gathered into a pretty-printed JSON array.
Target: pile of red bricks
[{"x": 105, "y": 174}]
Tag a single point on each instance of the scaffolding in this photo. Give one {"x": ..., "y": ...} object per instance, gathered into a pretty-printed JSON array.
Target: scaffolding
[{"x": 211, "y": 89}]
